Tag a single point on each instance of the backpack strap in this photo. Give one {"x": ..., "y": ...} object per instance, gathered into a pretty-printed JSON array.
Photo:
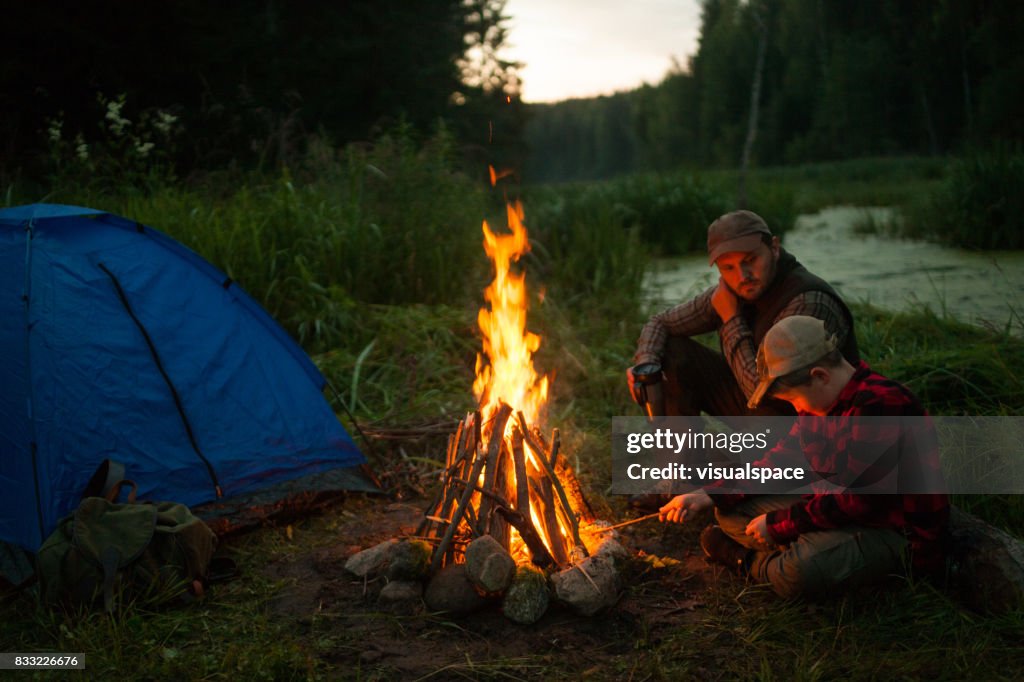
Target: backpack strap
[
  {"x": 108, "y": 474},
  {"x": 115, "y": 491},
  {"x": 110, "y": 560}
]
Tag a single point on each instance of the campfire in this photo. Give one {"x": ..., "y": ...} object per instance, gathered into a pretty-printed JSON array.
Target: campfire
[
  {"x": 501, "y": 477},
  {"x": 510, "y": 513}
]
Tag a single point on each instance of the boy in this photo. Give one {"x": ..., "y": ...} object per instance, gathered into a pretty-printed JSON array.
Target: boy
[{"x": 824, "y": 542}]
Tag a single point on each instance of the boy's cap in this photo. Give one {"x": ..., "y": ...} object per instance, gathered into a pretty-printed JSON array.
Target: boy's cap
[
  {"x": 793, "y": 343},
  {"x": 736, "y": 231}
]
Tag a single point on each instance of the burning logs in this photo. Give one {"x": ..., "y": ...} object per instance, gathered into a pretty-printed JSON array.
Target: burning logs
[
  {"x": 508, "y": 523},
  {"x": 504, "y": 482}
]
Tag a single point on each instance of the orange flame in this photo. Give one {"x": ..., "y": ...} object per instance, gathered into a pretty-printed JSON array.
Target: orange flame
[{"x": 509, "y": 374}]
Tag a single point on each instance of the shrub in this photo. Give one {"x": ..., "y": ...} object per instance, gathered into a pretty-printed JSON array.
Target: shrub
[{"x": 980, "y": 205}]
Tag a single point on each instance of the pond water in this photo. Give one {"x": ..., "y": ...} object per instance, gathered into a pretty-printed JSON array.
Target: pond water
[{"x": 985, "y": 288}]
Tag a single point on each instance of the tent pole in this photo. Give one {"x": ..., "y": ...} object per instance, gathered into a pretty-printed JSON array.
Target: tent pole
[{"x": 33, "y": 446}]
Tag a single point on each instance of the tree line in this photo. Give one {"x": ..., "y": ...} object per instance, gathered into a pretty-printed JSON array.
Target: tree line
[
  {"x": 249, "y": 82},
  {"x": 790, "y": 81}
]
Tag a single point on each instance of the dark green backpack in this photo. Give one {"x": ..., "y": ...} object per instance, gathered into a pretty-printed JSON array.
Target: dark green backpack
[{"x": 154, "y": 550}]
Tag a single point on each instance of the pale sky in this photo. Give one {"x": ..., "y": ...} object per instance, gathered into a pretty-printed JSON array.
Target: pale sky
[{"x": 583, "y": 48}]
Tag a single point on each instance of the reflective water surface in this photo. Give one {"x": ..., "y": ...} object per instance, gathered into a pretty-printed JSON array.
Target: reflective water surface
[{"x": 978, "y": 287}]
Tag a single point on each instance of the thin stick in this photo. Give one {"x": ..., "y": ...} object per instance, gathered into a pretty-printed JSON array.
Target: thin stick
[
  {"x": 435, "y": 506},
  {"x": 503, "y": 414},
  {"x": 542, "y": 486},
  {"x": 490, "y": 475},
  {"x": 589, "y": 579},
  {"x": 486, "y": 493},
  {"x": 522, "y": 482},
  {"x": 556, "y": 443},
  {"x": 463, "y": 459},
  {"x": 574, "y": 523},
  {"x": 627, "y": 523}
]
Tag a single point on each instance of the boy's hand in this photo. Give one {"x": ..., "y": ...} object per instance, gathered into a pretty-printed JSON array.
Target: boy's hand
[
  {"x": 758, "y": 529},
  {"x": 681, "y": 506}
]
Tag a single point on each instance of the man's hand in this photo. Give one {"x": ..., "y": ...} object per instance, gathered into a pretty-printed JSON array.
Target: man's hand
[
  {"x": 725, "y": 302},
  {"x": 681, "y": 506},
  {"x": 758, "y": 529}
]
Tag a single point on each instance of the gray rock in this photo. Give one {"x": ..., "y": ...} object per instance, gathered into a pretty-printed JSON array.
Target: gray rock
[
  {"x": 408, "y": 560},
  {"x": 451, "y": 591},
  {"x": 589, "y": 595},
  {"x": 526, "y": 601},
  {"x": 489, "y": 566},
  {"x": 610, "y": 547},
  {"x": 989, "y": 575},
  {"x": 401, "y": 591},
  {"x": 370, "y": 561},
  {"x": 395, "y": 559}
]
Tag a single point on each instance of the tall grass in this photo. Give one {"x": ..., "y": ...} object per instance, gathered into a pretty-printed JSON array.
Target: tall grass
[
  {"x": 391, "y": 223},
  {"x": 979, "y": 206},
  {"x": 876, "y": 181},
  {"x": 669, "y": 213}
]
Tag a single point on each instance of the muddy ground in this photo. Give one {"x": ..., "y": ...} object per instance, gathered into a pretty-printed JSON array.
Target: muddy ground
[{"x": 342, "y": 621}]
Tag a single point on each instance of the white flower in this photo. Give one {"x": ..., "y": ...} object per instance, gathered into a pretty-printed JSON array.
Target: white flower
[
  {"x": 114, "y": 110},
  {"x": 143, "y": 149},
  {"x": 81, "y": 148},
  {"x": 164, "y": 122},
  {"x": 54, "y": 131},
  {"x": 117, "y": 122}
]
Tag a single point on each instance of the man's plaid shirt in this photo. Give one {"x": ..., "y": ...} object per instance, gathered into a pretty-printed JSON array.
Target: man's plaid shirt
[
  {"x": 697, "y": 316},
  {"x": 840, "y": 444}
]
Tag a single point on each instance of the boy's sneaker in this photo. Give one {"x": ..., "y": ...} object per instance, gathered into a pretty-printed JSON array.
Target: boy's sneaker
[{"x": 721, "y": 549}]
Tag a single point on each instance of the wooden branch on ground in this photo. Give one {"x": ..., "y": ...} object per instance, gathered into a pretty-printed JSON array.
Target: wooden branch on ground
[{"x": 407, "y": 433}]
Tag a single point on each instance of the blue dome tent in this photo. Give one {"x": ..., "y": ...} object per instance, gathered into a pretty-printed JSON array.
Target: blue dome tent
[{"x": 119, "y": 343}]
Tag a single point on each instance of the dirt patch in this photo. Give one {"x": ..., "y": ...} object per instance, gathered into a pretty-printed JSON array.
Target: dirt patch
[{"x": 349, "y": 629}]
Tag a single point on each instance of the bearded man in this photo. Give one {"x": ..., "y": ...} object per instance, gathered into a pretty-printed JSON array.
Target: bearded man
[{"x": 759, "y": 284}]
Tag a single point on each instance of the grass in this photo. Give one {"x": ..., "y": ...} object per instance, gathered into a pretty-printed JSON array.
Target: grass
[
  {"x": 879, "y": 181},
  {"x": 979, "y": 206},
  {"x": 371, "y": 257}
]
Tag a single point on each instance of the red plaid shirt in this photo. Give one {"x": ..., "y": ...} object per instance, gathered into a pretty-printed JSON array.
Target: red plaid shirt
[{"x": 844, "y": 448}]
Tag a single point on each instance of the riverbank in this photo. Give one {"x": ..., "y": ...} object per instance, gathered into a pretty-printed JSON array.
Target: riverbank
[{"x": 899, "y": 275}]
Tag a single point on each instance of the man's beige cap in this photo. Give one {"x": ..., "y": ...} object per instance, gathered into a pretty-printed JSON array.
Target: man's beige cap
[
  {"x": 793, "y": 343},
  {"x": 736, "y": 231}
]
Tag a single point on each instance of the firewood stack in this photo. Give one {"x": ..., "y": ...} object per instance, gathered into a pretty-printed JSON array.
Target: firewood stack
[{"x": 494, "y": 483}]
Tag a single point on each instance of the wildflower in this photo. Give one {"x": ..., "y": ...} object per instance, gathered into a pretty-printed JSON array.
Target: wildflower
[
  {"x": 81, "y": 148},
  {"x": 55, "y": 130},
  {"x": 117, "y": 122},
  {"x": 143, "y": 149},
  {"x": 164, "y": 122}
]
